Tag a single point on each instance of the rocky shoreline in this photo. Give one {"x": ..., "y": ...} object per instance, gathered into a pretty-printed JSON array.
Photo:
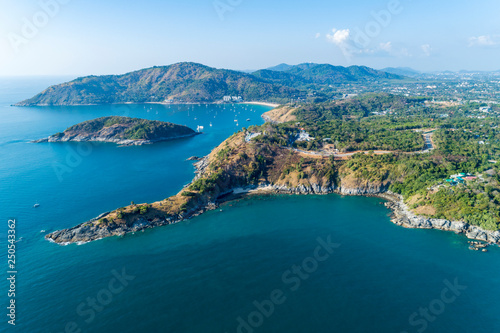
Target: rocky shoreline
[
  {"x": 121, "y": 142},
  {"x": 404, "y": 217},
  {"x": 124, "y": 131},
  {"x": 401, "y": 214}
]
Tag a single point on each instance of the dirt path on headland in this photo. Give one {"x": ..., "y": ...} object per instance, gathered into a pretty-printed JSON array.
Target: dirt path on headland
[
  {"x": 428, "y": 147},
  {"x": 286, "y": 114}
]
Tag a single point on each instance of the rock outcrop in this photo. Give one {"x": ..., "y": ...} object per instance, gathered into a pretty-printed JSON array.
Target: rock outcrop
[{"x": 403, "y": 216}]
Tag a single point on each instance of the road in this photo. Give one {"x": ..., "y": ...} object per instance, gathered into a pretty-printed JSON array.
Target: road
[{"x": 428, "y": 147}]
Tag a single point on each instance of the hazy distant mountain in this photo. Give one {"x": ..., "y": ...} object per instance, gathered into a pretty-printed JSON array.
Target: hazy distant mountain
[
  {"x": 196, "y": 83},
  {"x": 404, "y": 71},
  {"x": 280, "y": 68},
  {"x": 477, "y": 72}
]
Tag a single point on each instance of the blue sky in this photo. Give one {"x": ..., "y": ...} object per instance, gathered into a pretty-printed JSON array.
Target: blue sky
[{"x": 76, "y": 37}]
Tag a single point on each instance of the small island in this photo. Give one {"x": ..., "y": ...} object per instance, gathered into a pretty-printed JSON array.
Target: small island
[{"x": 124, "y": 131}]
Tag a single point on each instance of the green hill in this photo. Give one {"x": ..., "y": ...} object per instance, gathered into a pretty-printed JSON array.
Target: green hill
[
  {"x": 182, "y": 82},
  {"x": 329, "y": 74},
  {"x": 196, "y": 83},
  {"x": 322, "y": 74}
]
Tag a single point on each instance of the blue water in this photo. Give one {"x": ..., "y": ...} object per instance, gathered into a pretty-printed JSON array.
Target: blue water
[{"x": 204, "y": 275}]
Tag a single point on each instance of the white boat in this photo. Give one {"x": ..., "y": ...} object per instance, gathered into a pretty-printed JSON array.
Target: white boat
[
  {"x": 210, "y": 124},
  {"x": 36, "y": 205},
  {"x": 199, "y": 128}
]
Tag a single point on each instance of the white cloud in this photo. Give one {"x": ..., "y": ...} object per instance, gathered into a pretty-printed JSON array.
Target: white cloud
[
  {"x": 485, "y": 40},
  {"x": 426, "y": 48},
  {"x": 339, "y": 37},
  {"x": 318, "y": 35},
  {"x": 387, "y": 47},
  {"x": 348, "y": 43}
]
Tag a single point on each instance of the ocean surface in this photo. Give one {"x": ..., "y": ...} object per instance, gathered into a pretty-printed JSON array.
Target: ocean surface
[{"x": 261, "y": 264}]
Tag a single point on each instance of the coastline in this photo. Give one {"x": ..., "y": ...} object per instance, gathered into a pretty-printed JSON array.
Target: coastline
[
  {"x": 404, "y": 217},
  {"x": 230, "y": 189},
  {"x": 401, "y": 214},
  {"x": 120, "y": 142},
  {"x": 273, "y": 105}
]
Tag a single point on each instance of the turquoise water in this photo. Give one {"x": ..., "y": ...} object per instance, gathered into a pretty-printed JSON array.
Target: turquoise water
[{"x": 208, "y": 274}]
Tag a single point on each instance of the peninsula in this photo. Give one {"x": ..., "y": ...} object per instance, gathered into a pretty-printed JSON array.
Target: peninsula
[
  {"x": 452, "y": 183},
  {"x": 124, "y": 131}
]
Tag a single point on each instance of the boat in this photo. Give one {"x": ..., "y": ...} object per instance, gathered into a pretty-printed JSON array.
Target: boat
[
  {"x": 199, "y": 128},
  {"x": 36, "y": 205},
  {"x": 248, "y": 119},
  {"x": 210, "y": 124}
]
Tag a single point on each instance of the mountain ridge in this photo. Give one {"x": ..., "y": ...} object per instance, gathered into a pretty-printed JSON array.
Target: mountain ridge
[{"x": 189, "y": 82}]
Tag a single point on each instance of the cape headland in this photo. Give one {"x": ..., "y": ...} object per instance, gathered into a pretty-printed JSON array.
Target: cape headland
[
  {"x": 240, "y": 166},
  {"x": 431, "y": 169}
]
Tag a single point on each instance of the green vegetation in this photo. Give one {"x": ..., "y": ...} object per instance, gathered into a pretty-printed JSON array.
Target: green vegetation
[
  {"x": 464, "y": 144},
  {"x": 362, "y": 106},
  {"x": 422, "y": 176},
  {"x": 143, "y": 209},
  {"x": 206, "y": 185},
  {"x": 346, "y": 136},
  {"x": 183, "y": 83},
  {"x": 191, "y": 82},
  {"x": 126, "y": 128}
]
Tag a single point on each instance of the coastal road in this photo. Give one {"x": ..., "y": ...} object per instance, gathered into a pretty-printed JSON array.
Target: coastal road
[{"x": 429, "y": 143}]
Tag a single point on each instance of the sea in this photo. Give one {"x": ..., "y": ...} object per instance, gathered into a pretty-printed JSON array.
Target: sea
[{"x": 271, "y": 263}]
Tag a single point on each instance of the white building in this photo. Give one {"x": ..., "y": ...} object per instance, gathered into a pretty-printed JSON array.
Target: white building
[{"x": 304, "y": 136}]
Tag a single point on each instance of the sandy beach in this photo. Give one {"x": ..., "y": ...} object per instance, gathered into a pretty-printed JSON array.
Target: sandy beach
[{"x": 274, "y": 105}]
